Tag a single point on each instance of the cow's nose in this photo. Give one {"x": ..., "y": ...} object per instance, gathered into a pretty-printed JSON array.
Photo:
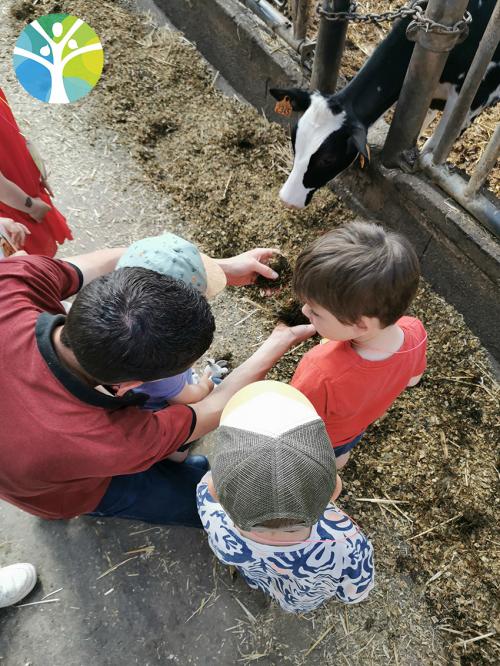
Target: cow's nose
[
  {"x": 289, "y": 205},
  {"x": 292, "y": 196}
]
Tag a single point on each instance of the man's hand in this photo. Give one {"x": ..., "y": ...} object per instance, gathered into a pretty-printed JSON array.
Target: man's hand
[
  {"x": 244, "y": 268},
  {"x": 284, "y": 338},
  {"x": 16, "y": 232},
  {"x": 208, "y": 411},
  {"x": 38, "y": 210}
]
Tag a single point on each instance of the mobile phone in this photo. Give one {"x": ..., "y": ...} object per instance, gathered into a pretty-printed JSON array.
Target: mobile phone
[{"x": 7, "y": 249}]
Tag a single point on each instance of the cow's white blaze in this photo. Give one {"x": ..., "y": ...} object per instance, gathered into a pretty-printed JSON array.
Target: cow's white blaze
[{"x": 317, "y": 123}]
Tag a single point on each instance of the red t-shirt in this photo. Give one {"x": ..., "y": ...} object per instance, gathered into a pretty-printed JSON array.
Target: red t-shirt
[
  {"x": 350, "y": 392},
  {"x": 60, "y": 440}
]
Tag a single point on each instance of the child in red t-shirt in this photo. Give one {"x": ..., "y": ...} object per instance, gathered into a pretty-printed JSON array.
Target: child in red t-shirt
[{"x": 357, "y": 282}]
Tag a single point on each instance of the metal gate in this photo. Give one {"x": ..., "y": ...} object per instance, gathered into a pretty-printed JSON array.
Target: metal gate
[{"x": 429, "y": 57}]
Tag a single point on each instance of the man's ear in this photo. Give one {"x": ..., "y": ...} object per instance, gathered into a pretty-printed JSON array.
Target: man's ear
[
  {"x": 124, "y": 387},
  {"x": 359, "y": 139},
  {"x": 299, "y": 99}
]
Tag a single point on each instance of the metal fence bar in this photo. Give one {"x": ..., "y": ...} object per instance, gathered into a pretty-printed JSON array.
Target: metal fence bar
[
  {"x": 488, "y": 160},
  {"x": 276, "y": 21},
  {"x": 455, "y": 120},
  {"x": 425, "y": 68},
  {"x": 481, "y": 207},
  {"x": 299, "y": 14},
  {"x": 329, "y": 48}
]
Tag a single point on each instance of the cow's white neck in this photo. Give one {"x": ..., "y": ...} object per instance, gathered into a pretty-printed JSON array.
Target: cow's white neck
[{"x": 317, "y": 123}]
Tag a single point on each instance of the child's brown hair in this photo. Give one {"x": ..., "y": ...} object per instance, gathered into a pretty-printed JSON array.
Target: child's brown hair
[{"x": 359, "y": 270}]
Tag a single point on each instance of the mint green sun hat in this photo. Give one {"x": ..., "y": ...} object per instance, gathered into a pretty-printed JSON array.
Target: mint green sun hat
[{"x": 176, "y": 257}]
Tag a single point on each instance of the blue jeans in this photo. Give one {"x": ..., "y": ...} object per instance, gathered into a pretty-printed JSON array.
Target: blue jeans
[
  {"x": 345, "y": 448},
  {"x": 164, "y": 494}
]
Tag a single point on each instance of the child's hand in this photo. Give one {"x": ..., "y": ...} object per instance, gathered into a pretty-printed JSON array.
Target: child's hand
[
  {"x": 15, "y": 231},
  {"x": 206, "y": 382}
]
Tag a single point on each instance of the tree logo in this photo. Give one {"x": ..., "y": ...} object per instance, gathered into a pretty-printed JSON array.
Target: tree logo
[{"x": 58, "y": 58}]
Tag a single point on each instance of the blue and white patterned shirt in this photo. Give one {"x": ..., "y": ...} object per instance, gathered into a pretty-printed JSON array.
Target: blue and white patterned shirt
[{"x": 335, "y": 561}]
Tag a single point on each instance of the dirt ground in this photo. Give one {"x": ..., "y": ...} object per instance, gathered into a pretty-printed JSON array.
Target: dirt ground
[{"x": 156, "y": 146}]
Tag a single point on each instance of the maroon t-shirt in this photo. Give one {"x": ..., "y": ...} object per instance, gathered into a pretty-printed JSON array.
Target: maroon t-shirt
[{"x": 61, "y": 441}]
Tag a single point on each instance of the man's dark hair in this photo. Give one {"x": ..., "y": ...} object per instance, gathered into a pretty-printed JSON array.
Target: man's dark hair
[
  {"x": 136, "y": 324},
  {"x": 359, "y": 270}
]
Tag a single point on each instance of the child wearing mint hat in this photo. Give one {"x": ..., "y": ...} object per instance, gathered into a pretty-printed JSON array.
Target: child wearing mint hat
[{"x": 178, "y": 258}]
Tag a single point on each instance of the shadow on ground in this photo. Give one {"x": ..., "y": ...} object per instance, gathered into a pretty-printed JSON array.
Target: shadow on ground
[{"x": 167, "y": 603}]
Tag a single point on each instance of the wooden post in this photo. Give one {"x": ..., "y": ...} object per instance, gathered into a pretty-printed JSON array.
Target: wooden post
[{"x": 329, "y": 48}]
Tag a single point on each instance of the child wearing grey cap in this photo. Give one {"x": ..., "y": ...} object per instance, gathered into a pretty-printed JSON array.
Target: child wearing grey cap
[
  {"x": 176, "y": 257},
  {"x": 268, "y": 503}
]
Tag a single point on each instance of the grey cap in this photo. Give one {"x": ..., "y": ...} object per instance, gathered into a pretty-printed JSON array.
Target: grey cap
[{"x": 282, "y": 473}]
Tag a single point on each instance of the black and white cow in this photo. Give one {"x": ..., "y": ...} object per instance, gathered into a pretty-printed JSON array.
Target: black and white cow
[{"x": 332, "y": 132}]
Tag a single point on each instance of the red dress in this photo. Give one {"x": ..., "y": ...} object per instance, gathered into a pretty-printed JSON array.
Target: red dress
[{"x": 17, "y": 165}]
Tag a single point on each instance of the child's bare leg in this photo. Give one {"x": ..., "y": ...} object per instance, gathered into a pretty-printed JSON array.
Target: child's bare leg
[
  {"x": 342, "y": 460},
  {"x": 414, "y": 381},
  {"x": 178, "y": 456}
]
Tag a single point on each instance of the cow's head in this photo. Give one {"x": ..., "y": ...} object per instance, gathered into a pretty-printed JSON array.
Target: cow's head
[{"x": 326, "y": 140}]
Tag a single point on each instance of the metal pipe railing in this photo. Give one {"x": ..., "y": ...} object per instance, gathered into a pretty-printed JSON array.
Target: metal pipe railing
[
  {"x": 299, "y": 16},
  {"x": 481, "y": 207},
  {"x": 455, "y": 121},
  {"x": 425, "y": 68},
  {"x": 488, "y": 160},
  {"x": 329, "y": 48},
  {"x": 276, "y": 21}
]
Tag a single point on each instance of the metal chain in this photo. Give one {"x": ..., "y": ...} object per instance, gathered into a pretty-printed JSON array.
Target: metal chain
[{"x": 415, "y": 11}]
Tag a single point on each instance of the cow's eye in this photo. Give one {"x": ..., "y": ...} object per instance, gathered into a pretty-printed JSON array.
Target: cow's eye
[{"x": 326, "y": 160}]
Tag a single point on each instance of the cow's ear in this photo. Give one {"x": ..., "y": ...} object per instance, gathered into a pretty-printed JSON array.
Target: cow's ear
[
  {"x": 299, "y": 99},
  {"x": 359, "y": 139}
]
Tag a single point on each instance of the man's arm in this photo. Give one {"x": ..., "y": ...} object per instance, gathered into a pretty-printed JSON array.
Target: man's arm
[
  {"x": 95, "y": 264},
  {"x": 208, "y": 411},
  {"x": 239, "y": 270}
]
